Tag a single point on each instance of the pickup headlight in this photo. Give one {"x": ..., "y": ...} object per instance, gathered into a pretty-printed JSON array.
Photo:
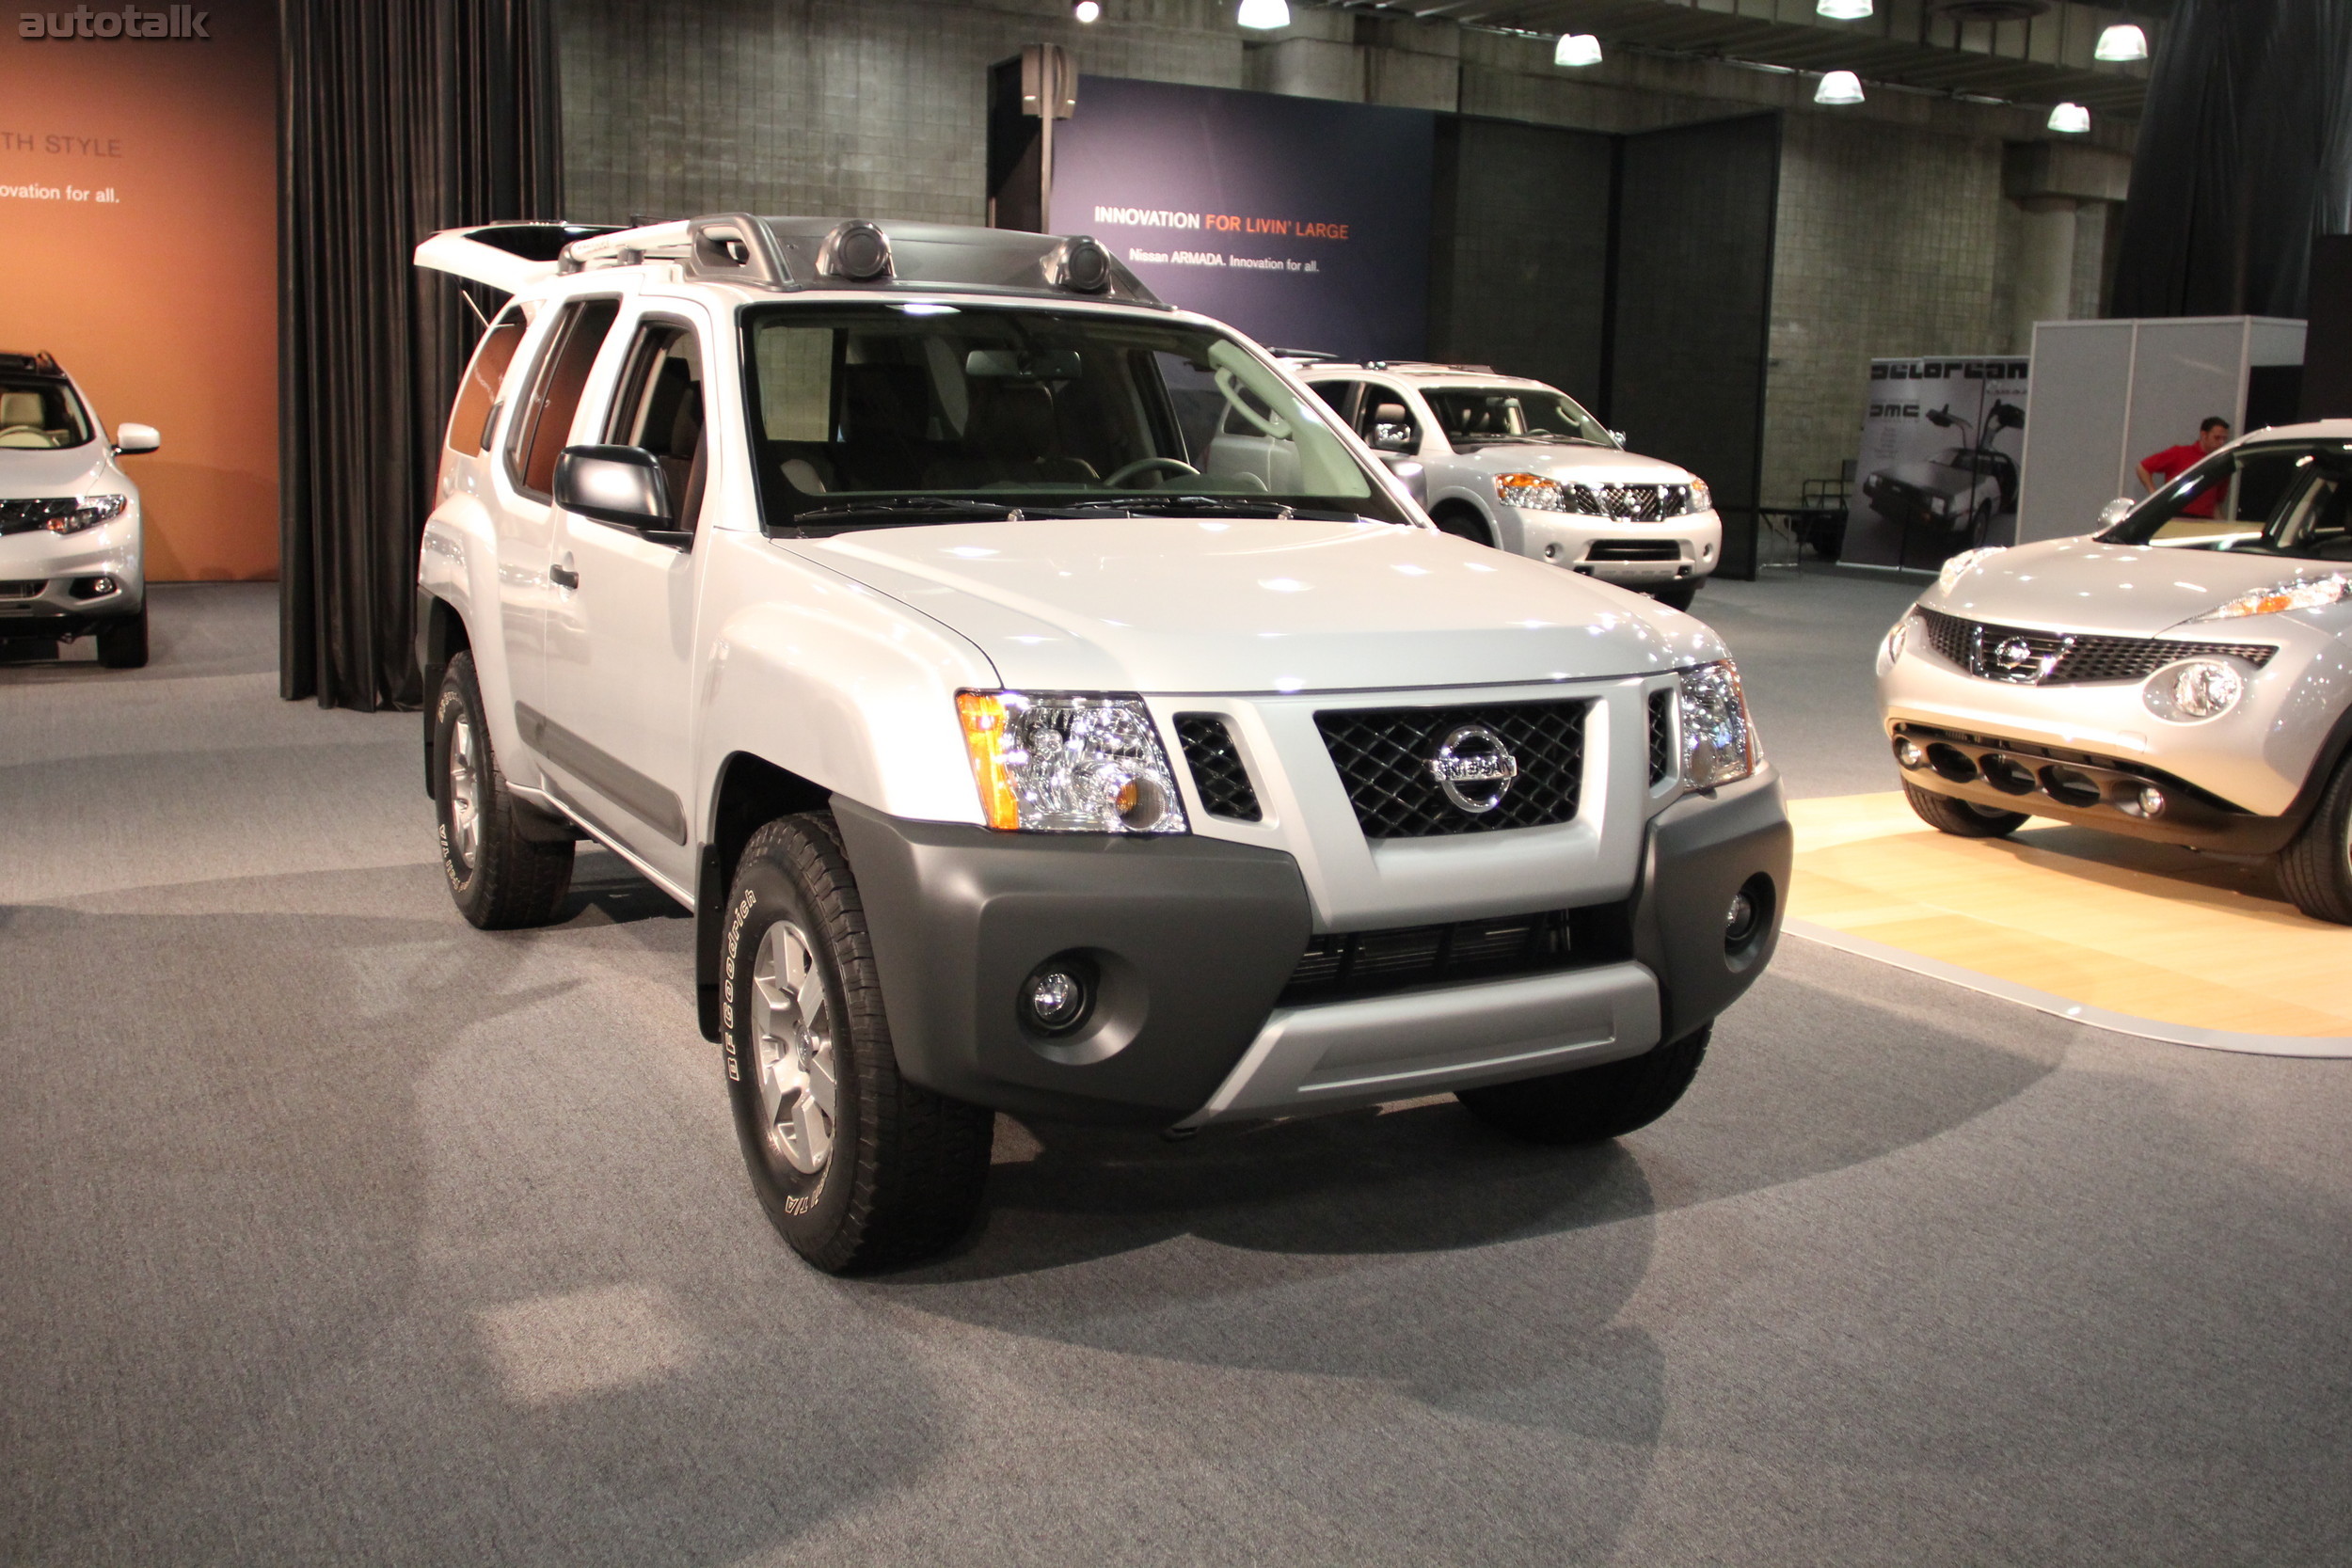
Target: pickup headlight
[
  {"x": 1532, "y": 491},
  {"x": 2299, "y": 593},
  {"x": 1060, "y": 762},
  {"x": 1719, "y": 744},
  {"x": 94, "y": 511}
]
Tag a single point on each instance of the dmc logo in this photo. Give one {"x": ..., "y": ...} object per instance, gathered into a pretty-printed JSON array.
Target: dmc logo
[
  {"x": 172, "y": 22},
  {"x": 1474, "y": 755}
]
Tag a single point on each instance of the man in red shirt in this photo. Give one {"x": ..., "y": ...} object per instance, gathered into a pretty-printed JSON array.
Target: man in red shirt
[{"x": 2173, "y": 462}]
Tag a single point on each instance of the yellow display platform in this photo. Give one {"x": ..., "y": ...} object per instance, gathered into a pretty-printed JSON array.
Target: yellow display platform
[{"x": 2142, "y": 938}]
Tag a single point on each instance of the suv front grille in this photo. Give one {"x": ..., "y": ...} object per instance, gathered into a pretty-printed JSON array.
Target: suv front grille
[
  {"x": 1632, "y": 503},
  {"x": 1633, "y": 549},
  {"x": 1384, "y": 756},
  {"x": 25, "y": 515},
  {"x": 1358, "y": 963},
  {"x": 1217, "y": 771},
  {"x": 2063, "y": 659},
  {"x": 29, "y": 590}
]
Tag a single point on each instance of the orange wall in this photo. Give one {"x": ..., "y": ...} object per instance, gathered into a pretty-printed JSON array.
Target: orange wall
[{"x": 163, "y": 301}]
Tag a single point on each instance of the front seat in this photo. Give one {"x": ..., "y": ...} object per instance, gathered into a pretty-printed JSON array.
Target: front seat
[{"x": 1011, "y": 439}]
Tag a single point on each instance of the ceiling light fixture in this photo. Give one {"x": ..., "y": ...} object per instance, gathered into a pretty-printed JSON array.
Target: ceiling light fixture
[
  {"x": 2072, "y": 119},
  {"x": 1576, "y": 49},
  {"x": 1838, "y": 86},
  {"x": 2123, "y": 41},
  {"x": 1087, "y": 10},
  {"x": 1265, "y": 15},
  {"x": 1844, "y": 10}
]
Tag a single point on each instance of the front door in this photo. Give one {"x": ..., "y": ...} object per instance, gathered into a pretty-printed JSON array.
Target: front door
[{"x": 620, "y": 646}]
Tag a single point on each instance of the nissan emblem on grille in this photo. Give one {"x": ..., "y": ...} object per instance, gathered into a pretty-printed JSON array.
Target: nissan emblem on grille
[
  {"x": 1474, "y": 755},
  {"x": 2019, "y": 660}
]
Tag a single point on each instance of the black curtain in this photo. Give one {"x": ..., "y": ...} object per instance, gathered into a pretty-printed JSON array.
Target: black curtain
[
  {"x": 397, "y": 118},
  {"x": 2245, "y": 153}
]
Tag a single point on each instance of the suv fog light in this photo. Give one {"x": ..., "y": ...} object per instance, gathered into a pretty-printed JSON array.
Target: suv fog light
[
  {"x": 1748, "y": 921},
  {"x": 1551, "y": 552},
  {"x": 1059, "y": 994},
  {"x": 1740, "y": 920},
  {"x": 2152, "y": 802},
  {"x": 2193, "y": 689},
  {"x": 1907, "y": 752}
]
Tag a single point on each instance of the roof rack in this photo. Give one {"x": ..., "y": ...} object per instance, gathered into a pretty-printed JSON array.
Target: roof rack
[{"x": 40, "y": 362}]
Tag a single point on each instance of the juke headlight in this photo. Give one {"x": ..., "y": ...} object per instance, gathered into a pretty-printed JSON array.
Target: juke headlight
[
  {"x": 92, "y": 511},
  {"x": 1068, "y": 762},
  {"x": 1719, "y": 744},
  {"x": 2295, "y": 593}
]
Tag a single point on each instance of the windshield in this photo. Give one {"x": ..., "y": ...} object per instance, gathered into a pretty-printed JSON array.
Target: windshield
[
  {"x": 2289, "y": 499},
  {"x": 40, "y": 412},
  {"x": 864, "y": 415},
  {"x": 1469, "y": 415}
]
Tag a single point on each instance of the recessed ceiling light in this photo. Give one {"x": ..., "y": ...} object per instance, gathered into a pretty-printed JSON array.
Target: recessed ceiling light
[
  {"x": 1838, "y": 86},
  {"x": 2072, "y": 119},
  {"x": 2123, "y": 41},
  {"x": 1576, "y": 49},
  {"x": 1265, "y": 15},
  {"x": 1844, "y": 10},
  {"x": 1087, "y": 10}
]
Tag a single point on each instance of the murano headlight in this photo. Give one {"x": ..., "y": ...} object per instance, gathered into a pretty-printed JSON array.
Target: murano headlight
[
  {"x": 2296, "y": 593},
  {"x": 1719, "y": 745},
  {"x": 1060, "y": 762},
  {"x": 1532, "y": 491},
  {"x": 94, "y": 511}
]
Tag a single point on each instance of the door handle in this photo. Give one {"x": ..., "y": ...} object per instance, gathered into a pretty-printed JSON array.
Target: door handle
[{"x": 562, "y": 577}]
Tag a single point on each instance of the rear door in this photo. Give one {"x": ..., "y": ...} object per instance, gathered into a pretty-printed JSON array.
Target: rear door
[{"x": 620, "y": 648}]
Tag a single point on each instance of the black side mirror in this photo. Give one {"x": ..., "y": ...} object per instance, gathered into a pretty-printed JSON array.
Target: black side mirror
[{"x": 624, "y": 486}]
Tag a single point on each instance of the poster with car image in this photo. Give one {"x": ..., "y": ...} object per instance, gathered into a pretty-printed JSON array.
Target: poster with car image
[{"x": 1941, "y": 440}]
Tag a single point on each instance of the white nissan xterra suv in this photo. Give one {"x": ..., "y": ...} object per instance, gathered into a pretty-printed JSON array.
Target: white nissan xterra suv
[
  {"x": 902, "y": 600},
  {"x": 1522, "y": 467}
]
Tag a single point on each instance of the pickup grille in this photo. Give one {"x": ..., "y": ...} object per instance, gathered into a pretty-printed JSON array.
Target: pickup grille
[
  {"x": 1217, "y": 771},
  {"x": 1632, "y": 503},
  {"x": 1384, "y": 756},
  {"x": 2072, "y": 658},
  {"x": 1358, "y": 963}
]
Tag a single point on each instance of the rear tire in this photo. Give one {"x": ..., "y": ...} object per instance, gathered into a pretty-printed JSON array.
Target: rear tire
[
  {"x": 858, "y": 1168},
  {"x": 1960, "y": 818},
  {"x": 500, "y": 880},
  {"x": 1461, "y": 522},
  {"x": 122, "y": 643},
  {"x": 1595, "y": 1103},
  {"x": 2316, "y": 867}
]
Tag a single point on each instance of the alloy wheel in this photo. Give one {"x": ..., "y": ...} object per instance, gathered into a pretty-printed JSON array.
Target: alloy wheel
[
  {"x": 464, "y": 795},
  {"x": 792, "y": 1030}
]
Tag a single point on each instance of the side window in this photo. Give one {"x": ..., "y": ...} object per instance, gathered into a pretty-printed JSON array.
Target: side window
[
  {"x": 1385, "y": 421},
  {"x": 1340, "y": 397},
  {"x": 545, "y": 421},
  {"x": 469, "y": 422},
  {"x": 660, "y": 408}
]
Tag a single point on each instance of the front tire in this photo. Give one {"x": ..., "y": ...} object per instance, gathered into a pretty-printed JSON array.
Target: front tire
[
  {"x": 1596, "y": 1104},
  {"x": 1960, "y": 818},
  {"x": 500, "y": 880},
  {"x": 1461, "y": 522},
  {"x": 122, "y": 643},
  {"x": 2315, "y": 868},
  {"x": 858, "y": 1168}
]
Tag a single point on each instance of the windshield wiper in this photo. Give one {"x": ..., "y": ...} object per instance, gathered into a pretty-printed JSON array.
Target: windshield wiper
[
  {"x": 1166, "y": 506},
  {"x": 905, "y": 512}
]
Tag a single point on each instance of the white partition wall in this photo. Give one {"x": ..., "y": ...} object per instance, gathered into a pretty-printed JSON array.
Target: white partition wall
[{"x": 2106, "y": 394}]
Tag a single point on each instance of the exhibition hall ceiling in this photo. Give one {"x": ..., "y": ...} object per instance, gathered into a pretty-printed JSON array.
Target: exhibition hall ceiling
[{"x": 2045, "y": 59}]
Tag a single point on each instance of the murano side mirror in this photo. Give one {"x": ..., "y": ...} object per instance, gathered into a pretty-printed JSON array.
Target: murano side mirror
[{"x": 129, "y": 439}]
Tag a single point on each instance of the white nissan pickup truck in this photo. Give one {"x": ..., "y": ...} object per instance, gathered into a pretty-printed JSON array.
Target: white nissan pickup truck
[{"x": 1046, "y": 706}]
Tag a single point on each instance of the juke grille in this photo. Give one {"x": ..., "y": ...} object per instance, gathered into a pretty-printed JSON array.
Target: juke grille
[
  {"x": 1217, "y": 770},
  {"x": 1383, "y": 757},
  {"x": 2076, "y": 658}
]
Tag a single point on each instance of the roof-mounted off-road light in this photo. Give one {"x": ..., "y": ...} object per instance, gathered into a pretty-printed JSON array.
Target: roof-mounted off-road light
[
  {"x": 856, "y": 250},
  {"x": 1082, "y": 266}
]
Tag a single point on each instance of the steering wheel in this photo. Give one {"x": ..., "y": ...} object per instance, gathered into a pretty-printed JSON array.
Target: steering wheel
[{"x": 1175, "y": 465}]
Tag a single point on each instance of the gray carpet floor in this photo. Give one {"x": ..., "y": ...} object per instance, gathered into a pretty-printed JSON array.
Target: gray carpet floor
[{"x": 338, "y": 1231}]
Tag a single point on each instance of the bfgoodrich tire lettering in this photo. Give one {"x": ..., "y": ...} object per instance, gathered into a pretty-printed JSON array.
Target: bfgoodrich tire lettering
[
  {"x": 1595, "y": 1103},
  {"x": 499, "y": 880},
  {"x": 902, "y": 1169},
  {"x": 2315, "y": 868}
]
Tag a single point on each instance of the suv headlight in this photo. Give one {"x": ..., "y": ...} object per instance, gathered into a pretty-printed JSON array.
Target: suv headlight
[
  {"x": 2296, "y": 593},
  {"x": 1532, "y": 491},
  {"x": 1063, "y": 762},
  {"x": 1702, "y": 498},
  {"x": 94, "y": 511},
  {"x": 1719, "y": 745}
]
